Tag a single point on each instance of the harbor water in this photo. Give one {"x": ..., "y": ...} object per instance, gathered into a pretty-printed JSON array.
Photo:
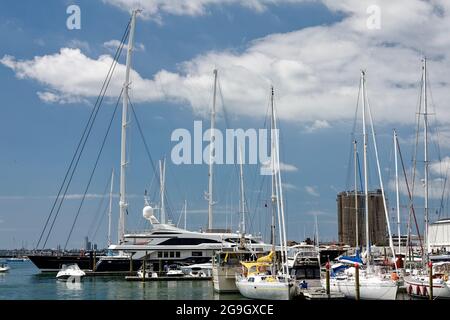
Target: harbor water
[{"x": 25, "y": 282}]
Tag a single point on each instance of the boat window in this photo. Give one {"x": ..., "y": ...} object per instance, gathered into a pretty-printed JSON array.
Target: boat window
[
  {"x": 159, "y": 254},
  {"x": 186, "y": 241},
  {"x": 177, "y": 254},
  {"x": 251, "y": 279},
  {"x": 166, "y": 254},
  {"x": 197, "y": 253},
  {"x": 172, "y": 254}
]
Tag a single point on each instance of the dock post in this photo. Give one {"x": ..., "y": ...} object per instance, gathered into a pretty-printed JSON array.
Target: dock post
[
  {"x": 430, "y": 271},
  {"x": 144, "y": 268},
  {"x": 94, "y": 265},
  {"x": 357, "y": 281},
  {"x": 131, "y": 262},
  {"x": 327, "y": 266}
]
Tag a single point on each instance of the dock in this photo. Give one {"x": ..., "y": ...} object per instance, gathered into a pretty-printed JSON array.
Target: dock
[
  {"x": 90, "y": 273},
  {"x": 314, "y": 291},
  {"x": 136, "y": 278},
  {"x": 319, "y": 294}
]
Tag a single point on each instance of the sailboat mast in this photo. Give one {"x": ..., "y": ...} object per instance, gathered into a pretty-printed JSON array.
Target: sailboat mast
[
  {"x": 242, "y": 193},
  {"x": 123, "y": 205},
  {"x": 110, "y": 207},
  {"x": 162, "y": 179},
  {"x": 397, "y": 191},
  {"x": 355, "y": 151},
  {"x": 272, "y": 165},
  {"x": 425, "y": 137},
  {"x": 366, "y": 184},
  {"x": 212, "y": 155},
  {"x": 185, "y": 212}
]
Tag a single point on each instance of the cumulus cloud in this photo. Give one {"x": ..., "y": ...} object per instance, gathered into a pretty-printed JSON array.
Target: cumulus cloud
[{"x": 315, "y": 70}]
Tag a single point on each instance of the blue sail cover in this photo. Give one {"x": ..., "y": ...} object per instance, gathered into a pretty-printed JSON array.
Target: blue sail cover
[{"x": 356, "y": 259}]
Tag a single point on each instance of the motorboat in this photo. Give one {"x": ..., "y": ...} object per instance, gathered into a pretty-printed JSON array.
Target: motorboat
[
  {"x": 4, "y": 267},
  {"x": 200, "y": 270},
  {"x": 174, "y": 271},
  {"x": 71, "y": 271}
]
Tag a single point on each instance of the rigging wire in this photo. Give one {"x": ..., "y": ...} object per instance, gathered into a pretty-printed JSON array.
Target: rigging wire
[
  {"x": 94, "y": 168},
  {"x": 81, "y": 144}
]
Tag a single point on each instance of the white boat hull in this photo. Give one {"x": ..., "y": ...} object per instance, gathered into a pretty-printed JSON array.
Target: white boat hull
[
  {"x": 420, "y": 287},
  {"x": 369, "y": 289},
  {"x": 266, "y": 290}
]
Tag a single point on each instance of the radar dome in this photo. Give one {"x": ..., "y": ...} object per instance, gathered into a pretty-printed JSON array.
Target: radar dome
[{"x": 147, "y": 212}]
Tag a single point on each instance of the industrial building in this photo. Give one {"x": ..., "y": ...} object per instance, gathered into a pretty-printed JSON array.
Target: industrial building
[
  {"x": 346, "y": 210},
  {"x": 439, "y": 235}
]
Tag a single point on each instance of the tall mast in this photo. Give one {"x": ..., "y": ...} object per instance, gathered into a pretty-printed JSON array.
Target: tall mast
[
  {"x": 317, "y": 230},
  {"x": 162, "y": 182},
  {"x": 123, "y": 205},
  {"x": 425, "y": 137},
  {"x": 366, "y": 184},
  {"x": 272, "y": 165},
  {"x": 110, "y": 207},
  {"x": 397, "y": 189},
  {"x": 212, "y": 153},
  {"x": 355, "y": 151},
  {"x": 242, "y": 193},
  {"x": 185, "y": 212}
]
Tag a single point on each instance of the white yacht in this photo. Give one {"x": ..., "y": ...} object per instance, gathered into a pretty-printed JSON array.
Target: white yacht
[
  {"x": 4, "y": 267},
  {"x": 70, "y": 271}
]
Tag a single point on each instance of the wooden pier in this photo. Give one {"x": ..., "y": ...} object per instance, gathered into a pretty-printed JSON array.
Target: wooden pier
[{"x": 136, "y": 278}]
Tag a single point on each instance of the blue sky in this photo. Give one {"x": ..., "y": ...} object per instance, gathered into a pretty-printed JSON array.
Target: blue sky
[{"x": 311, "y": 51}]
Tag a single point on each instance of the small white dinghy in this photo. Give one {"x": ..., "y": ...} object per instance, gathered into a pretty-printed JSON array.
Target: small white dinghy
[
  {"x": 70, "y": 271},
  {"x": 4, "y": 267}
]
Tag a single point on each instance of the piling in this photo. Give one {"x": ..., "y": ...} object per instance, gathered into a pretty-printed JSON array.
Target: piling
[
  {"x": 357, "y": 281},
  {"x": 94, "y": 264},
  {"x": 131, "y": 262},
  {"x": 327, "y": 266},
  {"x": 430, "y": 272},
  {"x": 143, "y": 269}
]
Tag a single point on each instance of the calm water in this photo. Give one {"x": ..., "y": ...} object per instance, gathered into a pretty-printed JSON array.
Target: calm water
[{"x": 24, "y": 281}]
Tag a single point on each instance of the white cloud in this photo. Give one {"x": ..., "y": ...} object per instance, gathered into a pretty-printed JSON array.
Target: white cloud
[
  {"x": 153, "y": 9},
  {"x": 312, "y": 190},
  {"x": 435, "y": 185},
  {"x": 288, "y": 167},
  {"x": 317, "y": 125},
  {"x": 315, "y": 71},
  {"x": 112, "y": 46},
  {"x": 289, "y": 186}
]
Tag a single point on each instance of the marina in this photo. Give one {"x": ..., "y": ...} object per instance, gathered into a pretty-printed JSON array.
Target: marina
[{"x": 235, "y": 184}]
